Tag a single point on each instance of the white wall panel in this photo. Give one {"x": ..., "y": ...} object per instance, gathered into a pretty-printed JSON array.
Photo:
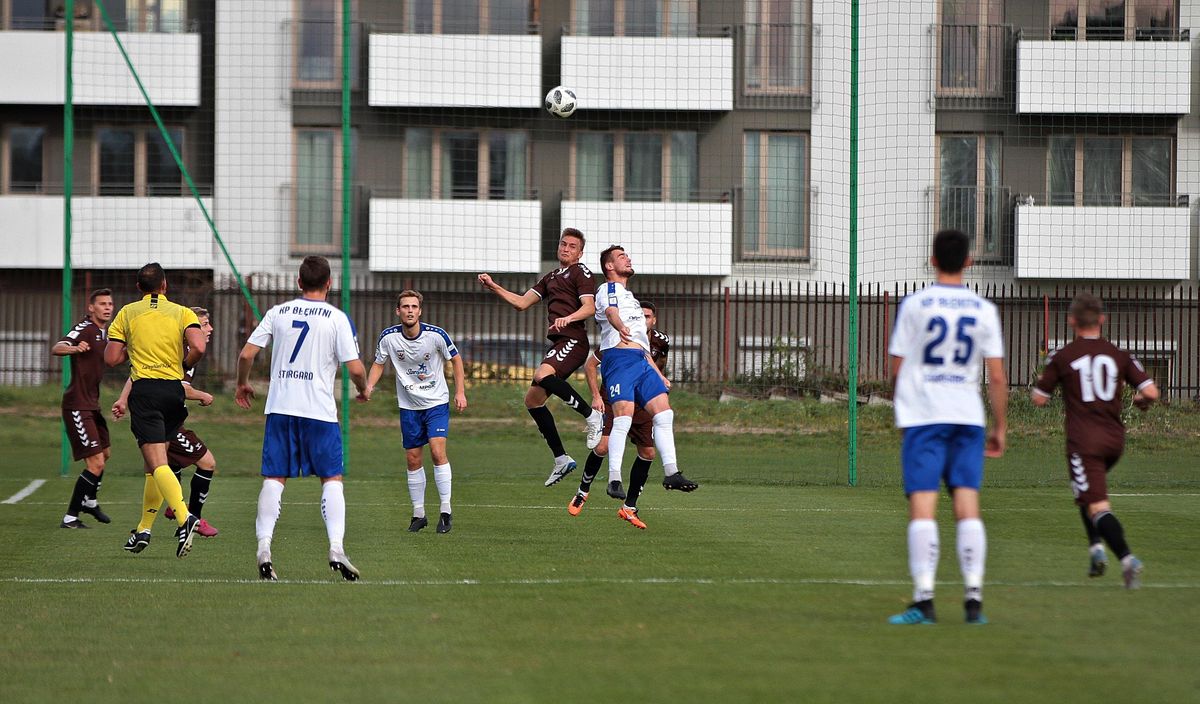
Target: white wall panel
[
  {"x": 413, "y": 70},
  {"x": 31, "y": 68},
  {"x": 417, "y": 235},
  {"x": 1056, "y": 242},
  {"x": 1104, "y": 77},
  {"x": 649, "y": 73},
  {"x": 660, "y": 238}
]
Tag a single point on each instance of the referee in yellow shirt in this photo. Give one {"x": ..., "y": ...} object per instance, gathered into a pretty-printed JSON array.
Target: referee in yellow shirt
[{"x": 151, "y": 334}]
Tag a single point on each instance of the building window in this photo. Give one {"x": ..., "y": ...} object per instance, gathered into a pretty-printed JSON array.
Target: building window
[
  {"x": 778, "y": 47},
  {"x": 971, "y": 46},
  {"x": 467, "y": 16},
  {"x": 1110, "y": 171},
  {"x": 970, "y": 197},
  {"x": 635, "y": 166},
  {"x": 775, "y": 195},
  {"x": 23, "y": 163},
  {"x": 318, "y": 191},
  {"x": 168, "y": 16},
  {"x": 465, "y": 164},
  {"x": 126, "y": 15},
  {"x": 135, "y": 161},
  {"x": 1114, "y": 19},
  {"x": 634, "y": 18},
  {"x": 318, "y": 39}
]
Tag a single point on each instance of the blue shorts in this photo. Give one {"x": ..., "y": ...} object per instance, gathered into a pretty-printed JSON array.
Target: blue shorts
[
  {"x": 628, "y": 376},
  {"x": 418, "y": 426},
  {"x": 943, "y": 452},
  {"x": 299, "y": 447}
]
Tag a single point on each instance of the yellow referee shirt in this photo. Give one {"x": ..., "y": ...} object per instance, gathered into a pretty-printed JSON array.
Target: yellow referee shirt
[{"x": 153, "y": 331}]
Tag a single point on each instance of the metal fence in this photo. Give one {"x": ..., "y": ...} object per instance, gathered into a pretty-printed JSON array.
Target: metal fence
[{"x": 774, "y": 337}]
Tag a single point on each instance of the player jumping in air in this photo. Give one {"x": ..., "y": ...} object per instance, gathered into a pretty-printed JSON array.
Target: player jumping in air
[
  {"x": 630, "y": 378},
  {"x": 418, "y": 352},
  {"x": 944, "y": 336},
  {"x": 1092, "y": 372},
  {"x": 568, "y": 292},
  {"x": 641, "y": 432}
]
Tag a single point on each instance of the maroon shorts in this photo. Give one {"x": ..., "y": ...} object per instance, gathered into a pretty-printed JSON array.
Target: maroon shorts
[
  {"x": 87, "y": 432},
  {"x": 1089, "y": 476},
  {"x": 641, "y": 433},
  {"x": 566, "y": 355},
  {"x": 184, "y": 449}
]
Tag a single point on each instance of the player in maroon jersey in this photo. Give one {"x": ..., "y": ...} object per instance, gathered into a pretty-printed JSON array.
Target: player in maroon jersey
[
  {"x": 1092, "y": 372},
  {"x": 570, "y": 296},
  {"x": 641, "y": 432},
  {"x": 87, "y": 430}
]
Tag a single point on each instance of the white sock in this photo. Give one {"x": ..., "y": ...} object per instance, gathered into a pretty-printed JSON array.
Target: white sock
[
  {"x": 664, "y": 440},
  {"x": 416, "y": 491},
  {"x": 333, "y": 510},
  {"x": 270, "y": 497},
  {"x": 972, "y": 554},
  {"x": 441, "y": 477},
  {"x": 923, "y": 556},
  {"x": 616, "y": 446}
]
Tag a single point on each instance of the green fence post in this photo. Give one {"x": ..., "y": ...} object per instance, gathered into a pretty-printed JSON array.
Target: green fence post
[{"x": 852, "y": 371}]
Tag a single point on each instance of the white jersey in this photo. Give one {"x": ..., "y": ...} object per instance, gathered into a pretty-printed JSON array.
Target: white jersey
[
  {"x": 311, "y": 339},
  {"x": 419, "y": 363},
  {"x": 611, "y": 294},
  {"x": 943, "y": 334}
]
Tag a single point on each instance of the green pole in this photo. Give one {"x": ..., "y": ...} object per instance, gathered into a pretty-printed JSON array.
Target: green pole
[
  {"x": 852, "y": 372},
  {"x": 347, "y": 176},
  {"x": 68, "y": 183}
]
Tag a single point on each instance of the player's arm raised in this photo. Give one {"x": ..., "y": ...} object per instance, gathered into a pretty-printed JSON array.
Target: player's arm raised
[
  {"x": 519, "y": 302},
  {"x": 998, "y": 397},
  {"x": 587, "y": 309}
]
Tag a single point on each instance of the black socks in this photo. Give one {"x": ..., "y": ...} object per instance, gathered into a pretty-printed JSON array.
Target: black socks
[
  {"x": 560, "y": 388},
  {"x": 545, "y": 423}
]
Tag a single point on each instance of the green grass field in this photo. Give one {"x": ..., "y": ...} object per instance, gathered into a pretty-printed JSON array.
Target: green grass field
[{"x": 771, "y": 583}]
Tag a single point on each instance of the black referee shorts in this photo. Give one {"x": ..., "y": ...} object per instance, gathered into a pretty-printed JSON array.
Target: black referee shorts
[{"x": 156, "y": 409}]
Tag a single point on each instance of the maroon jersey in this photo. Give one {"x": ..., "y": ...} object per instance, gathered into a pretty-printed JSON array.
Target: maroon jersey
[
  {"x": 87, "y": 368},
  {"x": 660, "y": 345},
  {"x": 563, "y": 291},
  {"x": 1092, "y": 372}
]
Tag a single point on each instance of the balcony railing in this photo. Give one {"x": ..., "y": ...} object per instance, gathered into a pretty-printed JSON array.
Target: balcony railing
[
  {"x": 973, "y": 60},
  {"x": 984, "y": 214},
  {"x": 648, "y": 195},
  {"x": 1113, "y": 199},
  {"x": 776, "y": 65}
]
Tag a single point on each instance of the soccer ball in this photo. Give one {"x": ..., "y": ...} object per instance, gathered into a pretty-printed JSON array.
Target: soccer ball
[{"x": 561, "y": 101}]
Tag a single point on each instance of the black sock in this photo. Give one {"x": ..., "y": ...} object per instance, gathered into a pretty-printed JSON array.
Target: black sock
[
  {"x": 1092, "y": 534},
  {"x": 1109, "y": 527},
  {"x": 178, "y": 472},
  {"x": 83, "y": 484},
  {"x": 638, "y": 474},
  {"x": 200, "y": 483},
  {"x": 590, "y": 469},
  {"x": 545, "y": 423},
  {"x": 560, "y": 388}
]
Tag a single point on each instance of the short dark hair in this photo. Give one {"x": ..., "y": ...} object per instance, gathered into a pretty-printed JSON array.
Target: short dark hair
[
  {"x": 314, "y": 273},
  {"x": 410, "y": 293},
  {"x": 650, "y": 307},
  {"x": 606, "y": 255},
  {"x": 1086, "y": 309},
  {"x": 150, "y": 278},
  {"x": 98, "y": 293},
  {"x": 200, "y": 312},
  {"x": 572, "y": 232},
  {"x": 951, "y": 249}
]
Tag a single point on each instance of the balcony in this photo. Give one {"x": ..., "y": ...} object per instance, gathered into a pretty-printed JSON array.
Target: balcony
[
  {"x": 974, "y": 68},
  {"x": 1111, "y": 77},
  {"x": 454, "y": 70},
  {"x": 31, "y": 68},
  {"x": 437, "y": 235},
  {"x": 690, "y": 238},
  {"x": 649, "y": 73},
  {"x": 107, "y": 232},
  {"x": 1103, "y": 242}
]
